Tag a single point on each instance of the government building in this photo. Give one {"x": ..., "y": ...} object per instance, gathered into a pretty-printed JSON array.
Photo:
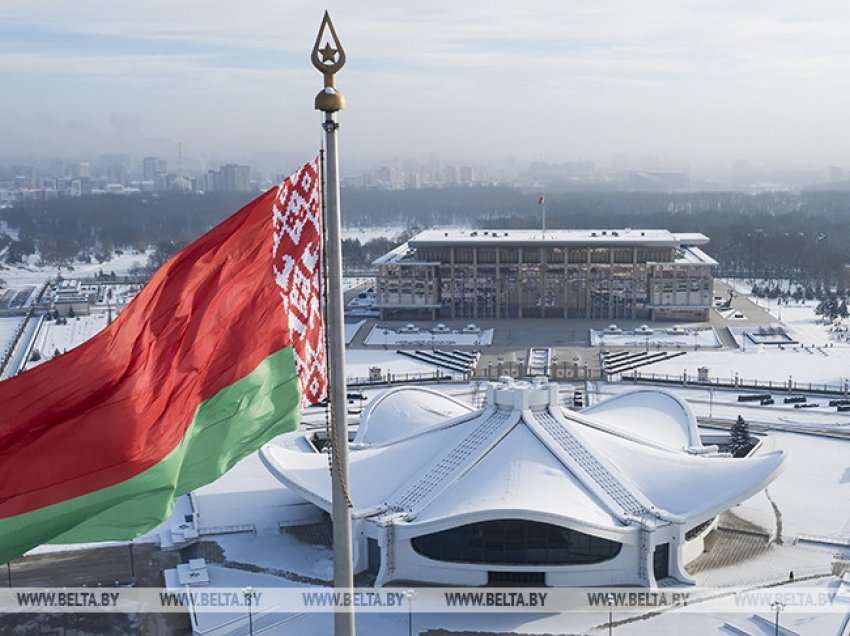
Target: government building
[{"x": 596, "y": 274}]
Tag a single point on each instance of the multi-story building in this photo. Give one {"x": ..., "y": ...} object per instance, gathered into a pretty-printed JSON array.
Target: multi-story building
[
  {"x": 595, "y": 274},
  {"x": 234, "y": 178}
]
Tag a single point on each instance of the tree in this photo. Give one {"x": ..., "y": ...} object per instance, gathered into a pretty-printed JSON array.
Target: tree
[
  {"x": 740, "y": 434},
  {"x": 842, "y": 309}
]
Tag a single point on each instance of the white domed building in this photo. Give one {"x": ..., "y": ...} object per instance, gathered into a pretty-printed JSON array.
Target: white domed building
[{"x": 524, "y": 492}]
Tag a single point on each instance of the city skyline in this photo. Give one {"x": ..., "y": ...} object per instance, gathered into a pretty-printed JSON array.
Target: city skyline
[{"x": 695, "y": 87}]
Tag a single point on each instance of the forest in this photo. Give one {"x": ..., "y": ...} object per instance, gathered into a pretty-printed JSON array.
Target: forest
[{"x": 801, "y": 236}]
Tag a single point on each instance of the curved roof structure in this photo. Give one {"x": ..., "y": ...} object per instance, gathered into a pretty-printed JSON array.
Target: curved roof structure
[
  {"x": 650, "y": 415},
  {"x": 425, "y": 459},
  {"x": 403, "y": 411}
]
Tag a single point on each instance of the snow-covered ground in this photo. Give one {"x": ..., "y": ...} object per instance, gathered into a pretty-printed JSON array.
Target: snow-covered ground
[
  {"x": 8, "y": 329},
  {"x": 33, "y": 273},
  {"x": 358, "y": 362},
  {"x": 704, "y": 338},
  {"x": 53, "y": 337},
  {"x": 351, "y": 329},
  {"x": 350, "y": 282},
  {"x": 380, "y": 336}
]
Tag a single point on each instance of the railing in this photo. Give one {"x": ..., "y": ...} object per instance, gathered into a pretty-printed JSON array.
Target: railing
[
  {"x": 405, "y": 378},
  {"x": 740, "y": 384}
]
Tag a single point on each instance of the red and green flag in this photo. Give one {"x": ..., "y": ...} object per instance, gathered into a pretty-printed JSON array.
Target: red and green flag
[{"x": 213, "y": 358}]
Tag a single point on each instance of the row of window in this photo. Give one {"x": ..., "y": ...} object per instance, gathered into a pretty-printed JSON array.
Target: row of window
[{"x": 515, "y": 542}]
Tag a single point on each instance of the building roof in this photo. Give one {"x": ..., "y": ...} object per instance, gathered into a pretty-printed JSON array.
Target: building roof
[
  {"x": 634, "y": 456},
  {"x": 601, "y": 237}
]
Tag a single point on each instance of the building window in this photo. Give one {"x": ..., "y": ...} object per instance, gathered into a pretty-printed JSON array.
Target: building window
[{"x": 515, "y": 542}]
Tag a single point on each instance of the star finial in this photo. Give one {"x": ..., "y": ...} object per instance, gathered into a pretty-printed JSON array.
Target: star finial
[{"x": 328, "y": 53}]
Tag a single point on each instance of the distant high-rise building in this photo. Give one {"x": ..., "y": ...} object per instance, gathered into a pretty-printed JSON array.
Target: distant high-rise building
[
  {"x": 836, "y": 174},
  {"x": 234, "y": 178},
  {"x": 467, "y": 175},
  {"x": 451, "y": 175},
  {"x": 149, "y": 168}
]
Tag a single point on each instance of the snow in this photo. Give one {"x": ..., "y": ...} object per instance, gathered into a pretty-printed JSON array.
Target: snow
[
  {"x": 724, "y": 405},
  {"x": 8, "y": 328},
  {"x": 391, "y": 337},
  {"x": 17, "y": 276},
  {"x": 673, "y": 424},
  {"x": 246, "y": 495},
  {"x": 65, "y": 337},
  {"x": 827, "y": 366},
  {"x": 366, "y": 234},
  {"x": 705, "y": 338},
  {"x": 358, "y": 362},
  {"x": 351, "y": 329}
]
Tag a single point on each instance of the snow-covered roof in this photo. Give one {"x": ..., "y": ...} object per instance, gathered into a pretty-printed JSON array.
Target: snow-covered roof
[
  {"x": 426, "y": 459},
  {"x": 622, "y": 236},
  {"x": 650, "y": 415},
  {"x": 403, "y": 411}
]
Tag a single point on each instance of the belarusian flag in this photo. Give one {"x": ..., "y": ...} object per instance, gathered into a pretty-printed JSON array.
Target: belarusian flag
[{"x": 212, "y": 359}]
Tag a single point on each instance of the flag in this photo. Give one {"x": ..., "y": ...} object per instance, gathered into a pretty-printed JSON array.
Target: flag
[
  {"x": 212, "y": 359},
  {"x": 540, "y": 201}
]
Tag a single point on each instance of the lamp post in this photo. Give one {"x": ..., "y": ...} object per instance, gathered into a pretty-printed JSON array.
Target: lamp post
[
  {"x": 776, "y": 605},
  {"x": 609, "y": 599},
  {"x": 248, "y": 595},
  {"x": 408, "y": 594}
]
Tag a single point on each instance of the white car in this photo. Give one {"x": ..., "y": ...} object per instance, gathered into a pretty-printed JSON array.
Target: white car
[
  {"x": 612, "y": 328},
  {"x": 471, "y": 328},
  {"x": 409, "y": 328},
  {"x": 441, "y": 328},
  {"x": 644, "y": 330}
]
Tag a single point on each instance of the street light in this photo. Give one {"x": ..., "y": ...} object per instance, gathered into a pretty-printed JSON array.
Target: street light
[
  {"x": 609, "y": 599},
  {"x": 778, "y": 607},
  {"x": 248, "y": 594},
  {"x": 408, "y": 594}
]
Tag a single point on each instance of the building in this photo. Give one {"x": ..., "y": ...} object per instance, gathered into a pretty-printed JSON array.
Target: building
[
  {"x": 524, "y": 492},
  {"x": 69, "y": 299},
  {"x": 596, "y": 274},
  {"x": 233, "y": 178}
]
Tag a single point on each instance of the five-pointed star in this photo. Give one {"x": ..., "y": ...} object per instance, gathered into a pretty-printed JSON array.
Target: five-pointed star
[{"x": 328, "y": 53}]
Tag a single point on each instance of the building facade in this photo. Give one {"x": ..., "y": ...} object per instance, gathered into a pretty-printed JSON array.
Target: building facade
[
  {"x": 444, "y": 494},
  {"x": 594, "y": 274}
]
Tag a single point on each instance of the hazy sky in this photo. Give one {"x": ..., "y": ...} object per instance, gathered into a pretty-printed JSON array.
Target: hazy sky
[{"x": 688, "y": 82}]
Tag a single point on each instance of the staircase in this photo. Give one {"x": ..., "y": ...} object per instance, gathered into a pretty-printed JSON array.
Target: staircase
[{"x": 427, "y": 485}]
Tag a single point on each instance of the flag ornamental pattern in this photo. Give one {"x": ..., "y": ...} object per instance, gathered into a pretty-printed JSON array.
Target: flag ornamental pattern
[
  {"x": 297, "y": 263},
  {"x": 213, "y": 358}
]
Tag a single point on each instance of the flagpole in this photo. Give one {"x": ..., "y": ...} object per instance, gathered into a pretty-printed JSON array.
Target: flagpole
[{"x": 328, "y": 60}]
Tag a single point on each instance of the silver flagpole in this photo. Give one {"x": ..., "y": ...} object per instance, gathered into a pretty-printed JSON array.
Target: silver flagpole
[{"x": 329, "y": 59}]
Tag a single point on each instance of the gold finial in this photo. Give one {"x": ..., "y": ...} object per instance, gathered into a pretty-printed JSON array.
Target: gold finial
[{"x": 328, "y": 59}]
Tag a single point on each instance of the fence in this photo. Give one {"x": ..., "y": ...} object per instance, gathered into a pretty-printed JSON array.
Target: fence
[
  {"x": 739, "y": 384},
  {"x": 404, "y": 378}
]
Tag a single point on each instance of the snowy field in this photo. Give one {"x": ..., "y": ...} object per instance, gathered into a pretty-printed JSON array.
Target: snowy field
[
  {"x": 53, "y": 337},
  {"x": 380, "y": 336},
  {"x": 821, "y": 357},
  {"x": 33, "y": 273},
  {"x": 704, "y": 338},
  {"x": 358, "y": 362},
  {"x": 831, "y": 366},
  {"x": 8, "y": 328}
]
